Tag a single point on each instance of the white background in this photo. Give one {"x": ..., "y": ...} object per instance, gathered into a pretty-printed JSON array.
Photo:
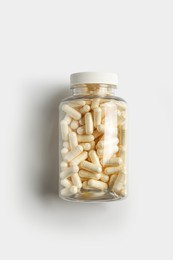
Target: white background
[{"x": 41, "y": 43}]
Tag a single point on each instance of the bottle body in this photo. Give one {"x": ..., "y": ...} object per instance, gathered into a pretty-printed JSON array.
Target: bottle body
[{"x": 93, "y": 146}]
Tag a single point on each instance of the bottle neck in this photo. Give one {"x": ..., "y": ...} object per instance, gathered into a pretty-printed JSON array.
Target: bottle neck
[{"x": 94, "y": 89}]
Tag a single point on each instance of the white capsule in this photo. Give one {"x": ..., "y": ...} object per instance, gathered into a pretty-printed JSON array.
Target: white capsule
[
  {"x": 68, "y": 119},
  {"x": 74, "y": 124},
  {"x": 73, "y": 140},
  {"x": 82, "y": 121},
  {"x": 88, "y": 175},
  {"x": 71, "y": 112},
  {"x": 86, "y": 146},
  {"x": 69, "y": 171},
  {"x": 101, "y": 128},
  {"x": 119, "y": 182},
  {"x": 112, "y": 170},
  {"x": 104, "y": 177},
  {"x": 66, "y": 183},
  {"x": 108, "y": 143},
  {"x": 97, "y": 116},
  {"x": 76, "y": 180},
  {"x": 97, "y": 184},
  {"x": 112, "y": 181},
  {"x": 95, "y": 103},
  {"x": 85, "y": 138},
  {"x": 85, "y": 109},
  {"x": 85, "y": 186},
  {"x": 69, "y": 191},
  {"x": 66, "y": 145},
  {"x": 64, "y": 130},
  {"x": 73, "y": 153},
  {"x": 91, "y": 166},
  {"x": 64, "y": 151},
  {"x": 63, "y": 165},
  {"x": 83, "y": 156},
  {"x": 114, "y": 161},
  {"x": 88, "y": 123},
  {"x": 94, "y": 158},
  {"x": 81, "y": 130}
]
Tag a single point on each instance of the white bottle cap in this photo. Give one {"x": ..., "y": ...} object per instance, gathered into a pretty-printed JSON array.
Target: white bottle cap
[{"x": 93, "y": 78}]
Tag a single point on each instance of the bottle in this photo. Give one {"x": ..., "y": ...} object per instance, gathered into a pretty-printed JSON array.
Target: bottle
[{"x": 93, "y": 140}]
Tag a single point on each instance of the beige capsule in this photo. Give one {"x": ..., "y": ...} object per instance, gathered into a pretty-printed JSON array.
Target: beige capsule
[
  {"x": 78, "y": 103},
  {"x": 63, "y": 165},
  {"x": 95, "y": 103},
  {"x": 101, "y": 128},
  {"x": 94, "y": 158},
  {"x": 68, "y": 119},
  {"x": 66, "y": 183},
  {"x": 85, "y": 109},
  {"x": 66, "y": 145},
  {"x": 69, "y": 171},
  {"x": 89, "y": 175},
  {"x": 76, "y": 180},
  {"x": 71, "y": 112},
  {"x": 69, "y": 191},
  {"x": 90, "y": 166},
  {"x": 119, "y": 182},
  {"x": 74, "y": 124},
  {"x": 86, "y": 146},
  {"x": 64, "y": 130},
  {"x": 64, "y": 151},
  {"x": 108, "y": 143},
  {"x": 81, "y": 130},
  {"x": 112, "y": 181},
  {"x": 88, "y": 123},
  {"x": 85, "y": 138},
  {"x": 83, "y": 156},
  {"x": 73, "y": 153},
  {"x": 73, "y": 140},
  {"x": 104, "y": 177},
  {"x": 97, "y": 184},
  {"x": 97, "y": 116},
  {"x": 114, "y": 161},
  {"x": 112, "y": 170},
  {"x": 85, "y": 186}
]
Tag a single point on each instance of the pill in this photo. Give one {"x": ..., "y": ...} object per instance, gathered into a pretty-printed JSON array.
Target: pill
[
  {"x": 114, "y": 161},
  {"x": 104, "y": 177},
  {"x": 122, "y": 136},
  {"x": 81, "y": 130},
  {"x": 112, "y": 170},
  {"x": 64, "y": 151},
  {"x": 73, "y": 140},
  {"x": 94, "y": 158},
  {"x": 97, "y": 184},
  {"x": 91, "y": 166},
  {"x": 78, "y": 103},
  {"x": 64, "y": 130},
  {"x": 112, "y": 181},
  {"x": 85, "y": 109},
  {"x": 86, "y": 146},
  {"x": 88, "y": 175},
  {"x": 68, "y": 119},
  {"x": 97, "y": 116},
  {"x": 66, "y": 145},
  {"x": 73, "y": 153},
  {"x": 74, "y": 124},
  {"x": 119, "y": 182},
  {"x": 83, "y": 156},
  {"x": 101, "y": 128},
  {"x": 85, "y": 138},
  {"x": 76, "y": 180},
  {"x": 71, "y": 112},
  {"x": 66, "y": 183},
  {"x": 82, "y": 121},
  {"x": 69, "y": 171},
  {"x": 95, "y": 103},
  {"x": 69, "y": 191},
  {"x": 88, "y": 123},
  {"x": 85, "y": 186},
  {"x": 63, "y": 165}
]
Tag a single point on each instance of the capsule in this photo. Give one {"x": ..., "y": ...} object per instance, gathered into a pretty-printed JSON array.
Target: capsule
[
  {"x": 88, "y": 123},
  {"x": 85, "y": 109},
  {"x": 112, "y": 170},
  {"x": 106, "y": 143},
  {"x": 114, "y": 161},
  {"x": 85, "y": 138},
  {"x": 85, "y": 186},
  {"x": 69, "y": 191},
  {"x": 97, "y": 184},
  {"x": 104, "y": 177},
  {"x": 88, "y": 175},
  {"x": 90, "y": 166},
  {"x": 122, "y": 136},
  {"x": 68, "y": 119},
  {"x": 81, "y": 130},
  {"x": 86, "y": 146},
  {"x": 69, "y": 171},
  {"x": 112, "y": 181},
  {"x": 94, "y": 158},
  {"x": 64, "y": 130},
  {"x": 95, "y": 103},
  {"x": 73, "y": 140},
  {"x": 119, "y": 182},
  {"x": 74, "y": 124},
  {"x": 66, "y": 183},
  {"x": 63, "y": 165},
  {"x": 73, "y": 153},
  {"x": 71, "y": 112},
  {"x": 97, "y": 116},
  {"x": 101, "y": 128},
  {"x": 64, "y": 151},
  {"x": 78, "y": 103},
  {"x": 76, "y": 180},
  {"x": 83, "y": 156}
]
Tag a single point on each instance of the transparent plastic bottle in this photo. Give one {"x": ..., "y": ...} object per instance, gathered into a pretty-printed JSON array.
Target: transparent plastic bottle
[{"x": 93, "y": 140}]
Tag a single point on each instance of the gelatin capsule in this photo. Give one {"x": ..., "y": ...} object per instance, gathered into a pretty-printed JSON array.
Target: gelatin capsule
[
  {"x": 88, "y": 175},
  {"x": 69, "y": 191},
  {"x": 90, "y": 166},
  {"x": 71, "y": 112},
  {"x": 88, "y": 123},
  {"x": 85, "y": 138},
  {"x": 69, "y": 171},
  {"x": 83, "y": 156},
  {"x": 66, "y": 183},
  {"x": 76, "y": 180},
  {"x": 64, "y": 130},
  {"x": 73, "y": 140},
  {"x": 97, "y": 184},
  {"x": 73, "y": 153}
]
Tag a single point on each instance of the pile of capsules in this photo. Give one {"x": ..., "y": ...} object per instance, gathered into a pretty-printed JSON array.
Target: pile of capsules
[{"x": 93, "y": 155}]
